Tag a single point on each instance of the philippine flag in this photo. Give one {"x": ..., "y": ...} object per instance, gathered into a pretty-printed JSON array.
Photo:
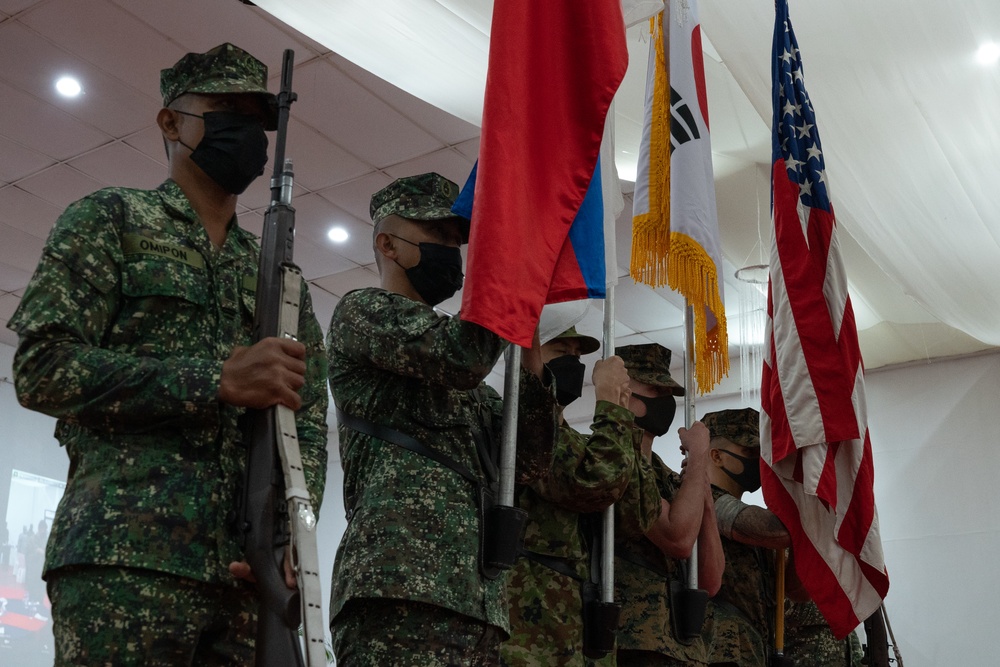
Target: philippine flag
[{"x": 537, "y": 213}]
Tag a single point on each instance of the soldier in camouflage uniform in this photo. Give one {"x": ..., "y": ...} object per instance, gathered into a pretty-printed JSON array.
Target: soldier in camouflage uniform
[
  {"x": 407, "y": 584},
  {"x": 809, "y": 642},
  {"x": 658, "y": 520},
  {"x": 588, "y": 473},
  {"x": 741, "y": 616},
  {"x": 135, "y": 332}
]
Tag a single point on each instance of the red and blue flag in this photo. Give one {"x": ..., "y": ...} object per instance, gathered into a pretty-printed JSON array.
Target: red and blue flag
[{"x": 537, "y": 213}]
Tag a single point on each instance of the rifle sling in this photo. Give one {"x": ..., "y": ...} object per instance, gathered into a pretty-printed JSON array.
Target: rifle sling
[
  {"x": 400, "y": 439},
  {"x": 553, "y": 563}
]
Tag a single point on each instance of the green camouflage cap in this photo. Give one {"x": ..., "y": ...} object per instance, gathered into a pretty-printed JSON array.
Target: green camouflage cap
[
  {"x": 224, "y": 69},
  {"x": 588, "y": 344},
  {"x": 649, "y": 363},
  {"x": 421, "y": 198},
  {"x": 739, "y": 426}
]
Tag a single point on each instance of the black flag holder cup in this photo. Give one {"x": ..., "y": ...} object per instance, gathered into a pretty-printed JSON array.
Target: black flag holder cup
[{"x": 688, "y": 603}]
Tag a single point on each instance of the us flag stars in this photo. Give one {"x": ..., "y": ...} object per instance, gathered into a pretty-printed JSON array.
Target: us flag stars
[{"x": 799, "y": 139}]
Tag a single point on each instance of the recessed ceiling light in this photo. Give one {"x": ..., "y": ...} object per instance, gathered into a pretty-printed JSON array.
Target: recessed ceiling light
[
  {"x": 337, "y": 234},
  {"x": 988, "y": 53},
  {"x": 67, "y": 86}
]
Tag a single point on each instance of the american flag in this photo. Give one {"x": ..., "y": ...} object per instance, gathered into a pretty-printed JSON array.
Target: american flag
[{"x": 817, "y": 469}]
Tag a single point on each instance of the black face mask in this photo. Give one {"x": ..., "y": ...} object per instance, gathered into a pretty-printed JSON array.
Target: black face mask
[
  {"x": 438, "y": 274},
  {"x": 659, "y": 413},
  {"x": 749, "y": 479},
  {"x": 568, "y": 371},
  {"x": 233, "y": 150}
]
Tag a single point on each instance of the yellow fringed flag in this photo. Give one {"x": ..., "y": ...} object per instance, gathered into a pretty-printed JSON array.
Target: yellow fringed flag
[{"x": 675, "y": 226}]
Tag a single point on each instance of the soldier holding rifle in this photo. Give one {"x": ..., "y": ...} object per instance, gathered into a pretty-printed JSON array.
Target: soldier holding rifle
[{"x": 135, "y": 333}]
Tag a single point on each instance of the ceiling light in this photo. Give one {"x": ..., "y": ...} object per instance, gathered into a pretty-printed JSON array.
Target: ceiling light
[
  {"x": 337, "y": 234},
  {"x": 67, "y": 86},
  {"x": 988, "y": 53}
]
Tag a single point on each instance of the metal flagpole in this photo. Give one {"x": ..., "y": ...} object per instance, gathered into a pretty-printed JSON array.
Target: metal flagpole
[
  {"x": 504, "y": 522},
  {"x": 508, "y": 442},
  {"x": 608, "y": 522},
  {"x": 689, "y": 613},
  {"x": 689, "y": 419}
]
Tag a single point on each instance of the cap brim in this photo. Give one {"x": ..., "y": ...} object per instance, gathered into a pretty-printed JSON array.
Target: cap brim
[
  {"x": 441, "y": 215},
  {"x": 270, "y": 101},
  {"x": 588, "y": 344},
  {"x": 658, "y": 380}
]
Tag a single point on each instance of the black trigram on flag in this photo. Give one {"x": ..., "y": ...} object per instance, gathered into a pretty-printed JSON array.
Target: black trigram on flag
[{"x": 683, "y": 126}]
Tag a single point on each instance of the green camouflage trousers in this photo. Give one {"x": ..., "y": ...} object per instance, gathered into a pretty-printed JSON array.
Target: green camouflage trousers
[
  {"x": 374, "y": 632},
  {"x": 546, "y": 620},
  {"x": 123, "y": 617}
]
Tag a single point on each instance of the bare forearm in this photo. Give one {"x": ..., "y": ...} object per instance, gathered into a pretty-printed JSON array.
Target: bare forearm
[
  {"x": 711, "y": 557},
  {"x": 679, "y": 523}
]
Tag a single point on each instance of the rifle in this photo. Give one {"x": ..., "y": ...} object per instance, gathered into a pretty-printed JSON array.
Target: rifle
[
  {"x": 276, "y": 508},
  {"x": 876, "y": 646}
]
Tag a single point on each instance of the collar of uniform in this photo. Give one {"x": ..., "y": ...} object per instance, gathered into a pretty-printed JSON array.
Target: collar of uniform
[{"x": 175, "y": 200}]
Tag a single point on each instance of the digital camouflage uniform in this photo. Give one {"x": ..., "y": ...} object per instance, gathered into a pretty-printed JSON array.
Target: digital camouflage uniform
[
  {"x": 737, "y": 628},
  {"x": 589, "y": 473},
  {"x": 642, "y": 572},
  {"x": 740, "y": 616},
  {"x": 809, "y": 642},
  {"x": 123, "y": 330},
  {"x": 413, "y": 526},
  {"x": 643, "y": 575}
]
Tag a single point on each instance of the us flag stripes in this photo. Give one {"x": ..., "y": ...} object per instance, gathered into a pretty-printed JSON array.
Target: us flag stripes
[{"x": 817, "y": 469}]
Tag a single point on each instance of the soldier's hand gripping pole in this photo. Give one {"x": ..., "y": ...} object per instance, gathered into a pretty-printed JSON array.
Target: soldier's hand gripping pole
[
  {"x": 688, "y": 602},
  {"x": 278, "y": 520},
  {"x": 601, "y": 616}
]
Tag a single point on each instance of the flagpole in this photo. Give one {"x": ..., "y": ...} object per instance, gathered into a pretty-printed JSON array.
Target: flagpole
[
  {"x": 780, "y": 659},
  {"x": 508, "y": 442},
  {"x": 608, "y": 519},
  {"x": 689, "y": 382}
]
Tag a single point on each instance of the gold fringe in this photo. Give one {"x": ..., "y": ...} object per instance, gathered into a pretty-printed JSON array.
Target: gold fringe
[
  {"x": 692, "y": 273},
  {"x": 651, "y": 230}
]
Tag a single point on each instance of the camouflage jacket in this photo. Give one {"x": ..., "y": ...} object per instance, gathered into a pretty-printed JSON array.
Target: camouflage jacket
[
  {"x": 413, "y": 525},
  {"x": 741, "y": 615},
  {"x": 123, "y": 331},
  {"x": 589, "y": 472},
  {"x": 642, "y": 572}
]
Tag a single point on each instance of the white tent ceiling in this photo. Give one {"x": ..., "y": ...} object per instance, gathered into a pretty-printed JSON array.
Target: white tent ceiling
[{"x": 904, "y": 112}]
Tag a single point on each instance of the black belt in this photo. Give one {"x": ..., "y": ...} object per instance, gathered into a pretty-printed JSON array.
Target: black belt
[{"x": 553, "y": 563}]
